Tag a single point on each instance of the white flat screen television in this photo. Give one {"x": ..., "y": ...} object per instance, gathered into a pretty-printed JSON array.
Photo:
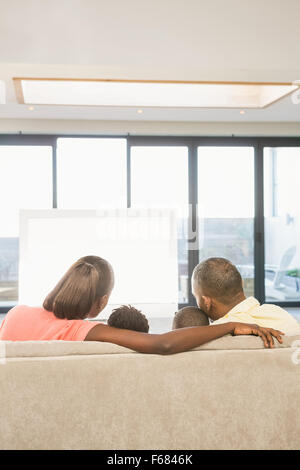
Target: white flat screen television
[{"x": 141, "y": 245}]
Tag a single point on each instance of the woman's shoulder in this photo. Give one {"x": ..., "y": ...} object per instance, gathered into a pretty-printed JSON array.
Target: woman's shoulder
[{"x": 25, "y": 309}]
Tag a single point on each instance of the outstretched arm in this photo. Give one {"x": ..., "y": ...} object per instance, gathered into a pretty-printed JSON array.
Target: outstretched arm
[{"x": 177, "y": 340}]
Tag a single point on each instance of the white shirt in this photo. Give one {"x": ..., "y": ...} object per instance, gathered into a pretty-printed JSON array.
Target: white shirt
[{"x": 266, "y": 315}]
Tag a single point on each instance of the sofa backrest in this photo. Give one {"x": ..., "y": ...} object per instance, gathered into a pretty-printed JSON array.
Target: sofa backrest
[{"x": 65, "y": 348}]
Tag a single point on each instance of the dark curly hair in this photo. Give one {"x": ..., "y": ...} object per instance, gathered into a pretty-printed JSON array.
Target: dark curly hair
[
  {"x": 189, "y": 316},
  {"x": 128, "y": 318}
]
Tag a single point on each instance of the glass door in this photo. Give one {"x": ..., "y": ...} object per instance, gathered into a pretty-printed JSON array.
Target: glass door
[
  {"x": 26, "y": 183},
  {"x": 159, "y": 179},
  {"x": 282, "y": 224},
  {"x": 91, "y": 173},
  {"x": 226, "y": 207}
]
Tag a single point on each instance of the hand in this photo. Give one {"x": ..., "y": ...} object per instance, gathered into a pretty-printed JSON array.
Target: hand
[{"x": 266, "y": 334}]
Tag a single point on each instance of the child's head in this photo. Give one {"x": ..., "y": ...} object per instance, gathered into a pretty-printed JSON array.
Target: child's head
[
  {"x": 128, "y": 318},
  {"x": 189, "y": 316}
]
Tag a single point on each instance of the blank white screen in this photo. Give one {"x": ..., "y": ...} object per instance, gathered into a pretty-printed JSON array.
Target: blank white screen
[{"x": 141, "y": 245}]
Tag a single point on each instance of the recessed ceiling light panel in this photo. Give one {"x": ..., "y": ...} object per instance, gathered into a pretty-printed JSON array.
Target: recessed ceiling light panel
[{"x": 143, "y": 93}]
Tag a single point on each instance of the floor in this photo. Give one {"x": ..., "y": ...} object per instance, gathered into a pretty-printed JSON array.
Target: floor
[{"x": 161, "y": 325}]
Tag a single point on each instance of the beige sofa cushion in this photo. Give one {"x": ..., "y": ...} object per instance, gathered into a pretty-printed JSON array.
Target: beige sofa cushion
[{"x": 69, "y": 348}]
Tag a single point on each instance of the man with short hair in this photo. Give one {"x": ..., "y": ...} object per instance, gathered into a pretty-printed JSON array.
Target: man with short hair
[{"x": 218, "y": 289}]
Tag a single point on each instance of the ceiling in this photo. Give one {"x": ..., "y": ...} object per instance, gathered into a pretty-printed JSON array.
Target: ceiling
[{"x": 214, "y": 40}]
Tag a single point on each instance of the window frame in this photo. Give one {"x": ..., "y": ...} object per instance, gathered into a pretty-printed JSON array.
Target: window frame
[{"x": 192, "y": 142}]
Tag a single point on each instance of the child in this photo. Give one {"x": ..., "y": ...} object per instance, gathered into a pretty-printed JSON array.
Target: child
[
  {"x": 189, "y": 316},
  {"x": 128, "y": 318}
]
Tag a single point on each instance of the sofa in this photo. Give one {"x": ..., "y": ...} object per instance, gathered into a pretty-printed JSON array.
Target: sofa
[{"x": 231, "y": 393}]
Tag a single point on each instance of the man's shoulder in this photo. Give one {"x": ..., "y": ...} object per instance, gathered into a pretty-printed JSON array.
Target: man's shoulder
[
  {"x": 273, "y": 308},
  {"x": 275, "y": 311}
]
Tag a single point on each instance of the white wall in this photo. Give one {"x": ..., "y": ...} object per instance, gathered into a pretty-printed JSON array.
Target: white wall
[{"x": 53, "y": 126}]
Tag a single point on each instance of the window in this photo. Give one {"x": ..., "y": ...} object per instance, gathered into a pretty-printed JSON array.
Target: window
[
  {"x": 159, "y": 178},
  {"x": 213, "y": 173},
  {"x": 91, "y": 173},
  {"x": 26, "y": 183},
  {"x": 226, "y": 207},
  {"x": 282, "y": 224}
]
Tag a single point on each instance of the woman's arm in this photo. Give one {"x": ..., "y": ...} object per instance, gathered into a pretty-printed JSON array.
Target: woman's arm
[{"x": 177, "y": 340}]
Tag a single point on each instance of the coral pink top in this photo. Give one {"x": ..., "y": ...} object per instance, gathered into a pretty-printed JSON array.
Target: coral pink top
[{"x": 24, "y": 323}]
